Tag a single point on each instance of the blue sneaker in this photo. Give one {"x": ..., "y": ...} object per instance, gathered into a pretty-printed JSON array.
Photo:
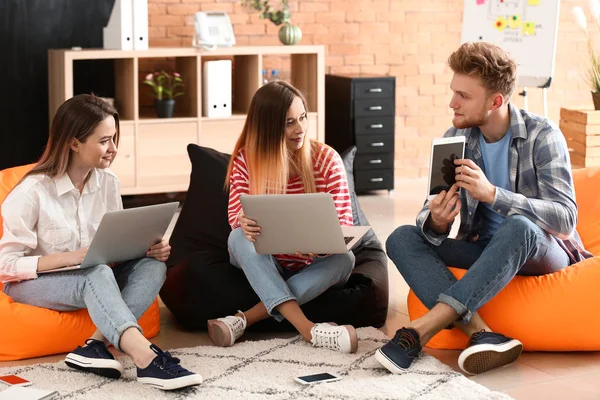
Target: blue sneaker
[
  {"x": 397, "y": 354},
  {"x": 489, "y": 350},
  {"x": 95, "y": 358},
  {"x": 164, "y": 372}
]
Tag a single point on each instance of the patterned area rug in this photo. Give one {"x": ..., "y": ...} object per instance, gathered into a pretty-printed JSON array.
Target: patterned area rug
[{"x": 265, "y": 370}]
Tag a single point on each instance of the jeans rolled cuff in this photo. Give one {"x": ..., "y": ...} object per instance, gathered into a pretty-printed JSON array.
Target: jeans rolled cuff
[
  {"x": 116, "y": 341},
  {"x": 464, "y": 313},
  {"x": 274, "y": 313}
]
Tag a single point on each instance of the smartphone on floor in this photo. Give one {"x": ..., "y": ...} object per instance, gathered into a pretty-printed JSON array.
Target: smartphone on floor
[{"x": 317, "y": 378}]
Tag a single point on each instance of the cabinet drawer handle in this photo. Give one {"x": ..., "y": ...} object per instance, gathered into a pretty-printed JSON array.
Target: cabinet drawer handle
[
  {"x": 376, "y": 126},
  {"x": 375, "y": 90},
  {"x": 376, "y": 179},
  {"x": 377, "y": 144},
  {"x": 375, "y": 161},
  {"x": 375, "y": 108}
]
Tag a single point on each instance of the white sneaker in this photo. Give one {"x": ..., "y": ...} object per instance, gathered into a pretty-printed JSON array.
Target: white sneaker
[
  {"x": 342, "y": 338},
  {"x": 225, "y": 331}
]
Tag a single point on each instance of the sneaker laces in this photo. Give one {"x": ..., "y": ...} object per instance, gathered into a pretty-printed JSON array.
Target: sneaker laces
[
  {"x": 326, "y": 338},
  {"x": 405, "y": 339},
  {"x": 475, "y": 337},
  {"x": 236, "y": 324},
  {"x": 167, "y": 362},
  {"x": 99, "y": 347}
]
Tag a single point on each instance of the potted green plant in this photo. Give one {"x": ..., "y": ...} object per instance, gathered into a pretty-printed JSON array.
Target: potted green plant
[
  {"x": 592, "y": 74},
  {"x": 166, "y": 87},
  {"x": 288, "y": 34}
]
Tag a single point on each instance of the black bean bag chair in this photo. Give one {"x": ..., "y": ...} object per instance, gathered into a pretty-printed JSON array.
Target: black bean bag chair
[{"x": 201, "y": 283}]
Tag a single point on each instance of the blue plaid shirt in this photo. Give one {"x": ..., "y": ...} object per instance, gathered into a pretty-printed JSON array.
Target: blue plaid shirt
[{"x": 540, "y": 180}]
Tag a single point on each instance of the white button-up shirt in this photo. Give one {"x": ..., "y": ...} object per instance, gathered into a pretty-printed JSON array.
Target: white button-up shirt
[{"x": 44, "y": 215}]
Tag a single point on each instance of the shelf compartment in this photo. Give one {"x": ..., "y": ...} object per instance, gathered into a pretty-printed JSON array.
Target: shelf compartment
[
  {"x": 161, "y": 158},
  {"x": 245, "y": 79},
  {"x": 221, "y": 134},
  {"x": 110, "y": 78},
  {"x": 307, "y": 77},
  {"x": 186, "y": 106}
]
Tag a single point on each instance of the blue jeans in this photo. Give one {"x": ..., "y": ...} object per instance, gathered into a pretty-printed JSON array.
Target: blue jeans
[
  {"x": 114, "y": 297},
  {"x": 275, "y": 285},
  {"x": 518, "y": 247}
]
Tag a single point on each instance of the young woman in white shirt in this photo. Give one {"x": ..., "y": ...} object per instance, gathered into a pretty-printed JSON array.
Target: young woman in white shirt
[{"x": 50, "y": 218}]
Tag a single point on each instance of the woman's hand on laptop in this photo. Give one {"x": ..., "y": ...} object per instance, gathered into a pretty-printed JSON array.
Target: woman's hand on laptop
[
  {"x": 249, "y": 227},
  {"x": 78, "y": 256},
  {"x": 160, "y": 251},
  {"x": 59, "y": 260}
]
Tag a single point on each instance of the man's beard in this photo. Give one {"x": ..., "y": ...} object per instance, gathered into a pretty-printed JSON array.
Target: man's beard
[
  {"x": 480, "y": 119},
  {"x": 464, "y": 123}
]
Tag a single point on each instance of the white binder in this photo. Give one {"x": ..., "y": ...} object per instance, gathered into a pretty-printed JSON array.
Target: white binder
[
  {"x": 127, "y": 27},
  {"x": 118, "y": 34},
  {"x": 140, "y": 24},
  {"x": 216, "y": 88}
]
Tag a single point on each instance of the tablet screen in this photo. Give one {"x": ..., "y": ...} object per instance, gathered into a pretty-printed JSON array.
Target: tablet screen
[{"x": 442, "y": 166}]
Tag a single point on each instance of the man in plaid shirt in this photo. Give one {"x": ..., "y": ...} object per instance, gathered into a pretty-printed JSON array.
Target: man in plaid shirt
[{"x": 517, "y": 211}]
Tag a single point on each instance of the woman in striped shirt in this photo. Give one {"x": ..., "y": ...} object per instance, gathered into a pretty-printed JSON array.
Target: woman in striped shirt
[{"x": 273, "y": 156}]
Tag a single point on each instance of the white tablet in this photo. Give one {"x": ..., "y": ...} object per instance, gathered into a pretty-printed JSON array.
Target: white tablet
[{"x": 441, "y": 165}]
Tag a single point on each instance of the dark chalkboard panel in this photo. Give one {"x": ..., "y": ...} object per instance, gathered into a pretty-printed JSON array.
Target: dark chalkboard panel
[{"x": 28, "y": 28}]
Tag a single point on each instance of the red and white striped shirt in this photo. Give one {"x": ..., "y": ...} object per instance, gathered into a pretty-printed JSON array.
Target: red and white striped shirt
[{"x": 330, "y": 177}]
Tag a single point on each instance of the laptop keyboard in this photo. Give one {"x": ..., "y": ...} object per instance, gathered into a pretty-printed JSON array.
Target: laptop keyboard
[{"x": 348, "y": 239}]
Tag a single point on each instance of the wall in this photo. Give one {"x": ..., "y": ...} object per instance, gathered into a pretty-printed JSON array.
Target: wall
[
  {"x": 410, "y": 39},
  {"x": 27, "y": 30}
]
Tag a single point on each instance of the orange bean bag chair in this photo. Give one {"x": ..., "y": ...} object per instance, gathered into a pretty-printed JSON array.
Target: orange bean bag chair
[
  {"x": 28, "y": 331},
  {"x": 556, "y": 312}
]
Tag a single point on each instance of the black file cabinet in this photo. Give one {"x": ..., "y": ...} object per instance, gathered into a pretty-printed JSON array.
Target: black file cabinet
[{"x": 360, "y": 110}]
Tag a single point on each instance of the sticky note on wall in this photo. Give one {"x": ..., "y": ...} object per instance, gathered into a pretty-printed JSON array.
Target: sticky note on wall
[
  {"x": 533, "y": 2},
  {"x": 480, "y": 2},
  {"x": 500, "y": 24},
  {"x": 514, "y": 22},
  {"x": 528, "y": 28}
]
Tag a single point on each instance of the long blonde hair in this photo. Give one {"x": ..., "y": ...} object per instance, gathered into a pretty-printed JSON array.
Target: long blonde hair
[
  {"x": 263, "y": 138},
  {"x": 76, "y": 118}
]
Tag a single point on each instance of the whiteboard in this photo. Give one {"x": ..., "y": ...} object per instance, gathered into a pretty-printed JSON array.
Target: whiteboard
[{"x": 527, "y": 29}]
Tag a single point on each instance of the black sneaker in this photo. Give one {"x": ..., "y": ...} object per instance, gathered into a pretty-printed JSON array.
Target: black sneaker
[
  {"x": 164, "y": 372},
  {"x": 95, "y": 358},
  {"x": 489, "y": 350},
  {"x": 397, "y": 354}
]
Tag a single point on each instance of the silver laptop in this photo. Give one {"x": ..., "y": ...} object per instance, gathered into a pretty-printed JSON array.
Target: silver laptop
[
  {"x": 299, "y": 222},
  {"x": 126, "y": 235}
]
